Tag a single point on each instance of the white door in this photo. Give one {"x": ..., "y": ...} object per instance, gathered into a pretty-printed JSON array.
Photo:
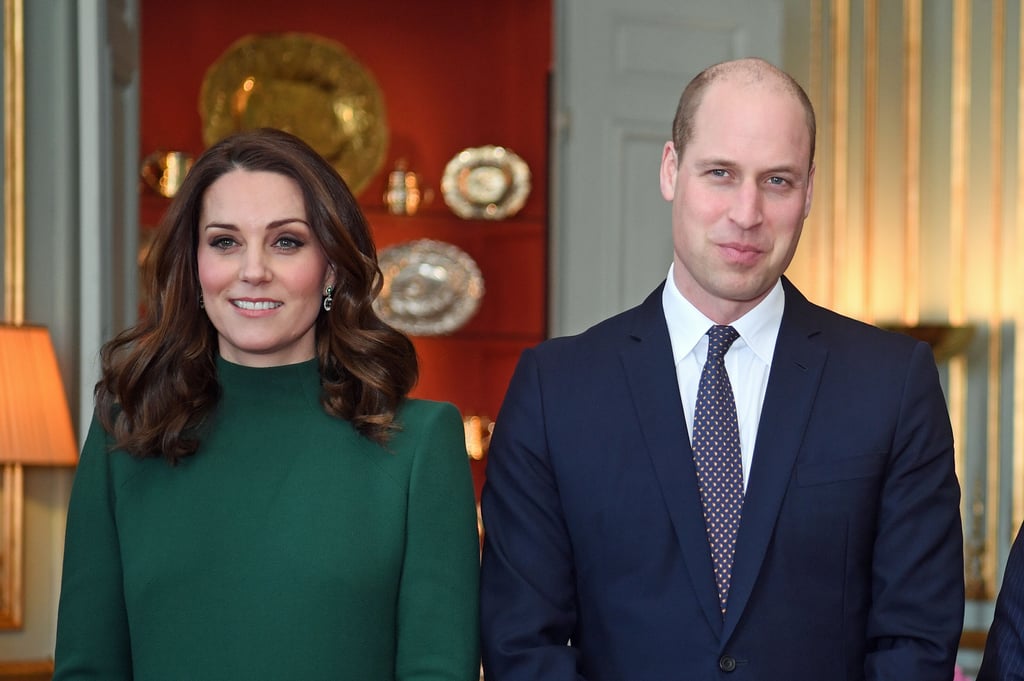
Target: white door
[{"x": 620, "y": 68}]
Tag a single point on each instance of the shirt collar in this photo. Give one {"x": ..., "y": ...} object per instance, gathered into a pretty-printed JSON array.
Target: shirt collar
[{"x": 687, "y": 326}]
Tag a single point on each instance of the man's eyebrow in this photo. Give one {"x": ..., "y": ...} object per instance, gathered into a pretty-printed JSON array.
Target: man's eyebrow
[{"x": 715, "y": 162}]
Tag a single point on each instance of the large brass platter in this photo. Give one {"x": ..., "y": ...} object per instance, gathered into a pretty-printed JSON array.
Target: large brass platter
[{"x": 305, "y": 84}]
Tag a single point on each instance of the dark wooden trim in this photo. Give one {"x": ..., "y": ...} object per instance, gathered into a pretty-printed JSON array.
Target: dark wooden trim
[
  {"x": 26, "y": 670},
  {"x": 973, "y": 639}
]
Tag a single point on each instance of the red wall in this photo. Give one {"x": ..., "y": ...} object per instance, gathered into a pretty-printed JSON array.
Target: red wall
[{"x": 454, "y": 74}]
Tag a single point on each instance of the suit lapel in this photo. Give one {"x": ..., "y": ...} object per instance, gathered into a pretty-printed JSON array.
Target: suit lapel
[
  {"x": 796, "y": 370},
  {"x": 647, "y": 360}
]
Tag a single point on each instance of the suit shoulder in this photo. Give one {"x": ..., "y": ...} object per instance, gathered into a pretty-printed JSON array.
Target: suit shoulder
[
  {"x": 600, "y": 337},
  {"x": 859, "y": 337}
]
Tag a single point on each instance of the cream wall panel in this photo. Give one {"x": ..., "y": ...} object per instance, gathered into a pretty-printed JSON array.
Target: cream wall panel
[
  {"x": 51, "y": 241},
  {"x": 80, "y": 262}
]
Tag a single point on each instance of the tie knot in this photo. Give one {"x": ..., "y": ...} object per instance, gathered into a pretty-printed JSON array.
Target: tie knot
[{"x": 720, "y": 339}]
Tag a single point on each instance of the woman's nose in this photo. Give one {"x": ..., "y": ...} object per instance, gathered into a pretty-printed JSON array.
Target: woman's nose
[{"x": 254, "y": 266}]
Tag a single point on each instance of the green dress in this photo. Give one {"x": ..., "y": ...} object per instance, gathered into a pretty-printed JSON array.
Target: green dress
[{"x": 288, "y": 547}]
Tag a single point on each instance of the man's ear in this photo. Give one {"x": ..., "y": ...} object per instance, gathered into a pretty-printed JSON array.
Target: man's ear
[
  {"x": 810, "y": 191},
  {"x": 669, "y": 171}
]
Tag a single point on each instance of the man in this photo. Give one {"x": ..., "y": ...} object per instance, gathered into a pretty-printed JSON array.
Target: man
[
  {"x": 1004, "y": 648},
  {"x": 826, "y": 546}
]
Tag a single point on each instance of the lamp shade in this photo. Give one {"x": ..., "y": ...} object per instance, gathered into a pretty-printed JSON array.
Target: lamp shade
[{"x": 35, "y": 425}]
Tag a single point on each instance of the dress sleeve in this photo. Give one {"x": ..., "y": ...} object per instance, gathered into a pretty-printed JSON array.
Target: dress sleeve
[
  {"x": 438, "y": 632},
  {"x": 92, "y": 622}
]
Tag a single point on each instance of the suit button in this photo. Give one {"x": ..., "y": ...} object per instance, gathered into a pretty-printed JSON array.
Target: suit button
[{"x": 727, "y": 663}]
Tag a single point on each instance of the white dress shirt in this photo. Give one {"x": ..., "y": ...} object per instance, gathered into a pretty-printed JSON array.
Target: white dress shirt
[{"x": 748, "y": 362}]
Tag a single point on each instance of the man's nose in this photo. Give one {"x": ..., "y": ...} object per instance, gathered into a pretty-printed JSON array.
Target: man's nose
[{"x": 746, "y": 210}]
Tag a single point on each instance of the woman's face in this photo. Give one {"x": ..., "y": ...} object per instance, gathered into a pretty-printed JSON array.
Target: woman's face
[{"x": 261, "y": 270}]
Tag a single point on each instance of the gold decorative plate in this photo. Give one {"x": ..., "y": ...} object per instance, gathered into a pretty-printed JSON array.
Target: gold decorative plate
[
  {"x": 307, "y": 85},
  {"x": 489, "y": 183},
  {"x": 431, "y": 288}
]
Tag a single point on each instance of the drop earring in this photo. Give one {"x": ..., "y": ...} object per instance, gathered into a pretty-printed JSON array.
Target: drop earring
[
  {"x": 328, "y": 299},
  {"x": 202, "y": 304}
]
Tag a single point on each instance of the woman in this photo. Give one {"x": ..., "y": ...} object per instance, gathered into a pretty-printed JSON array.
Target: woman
[{"x": 257, "y": 497}]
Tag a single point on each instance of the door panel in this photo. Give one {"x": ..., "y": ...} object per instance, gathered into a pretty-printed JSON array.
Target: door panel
[{"x": 621, "y": 67}]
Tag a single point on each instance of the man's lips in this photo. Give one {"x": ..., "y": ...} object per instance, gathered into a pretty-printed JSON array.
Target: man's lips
[{"x": 740, "y": 253}]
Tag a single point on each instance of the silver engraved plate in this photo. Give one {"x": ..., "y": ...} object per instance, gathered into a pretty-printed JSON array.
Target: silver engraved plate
[
  {"x": 486, "y": 183},
  {"x": 431, "y": 288}
]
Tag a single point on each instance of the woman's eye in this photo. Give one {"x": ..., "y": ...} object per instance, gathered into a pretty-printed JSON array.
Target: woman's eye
[
  {"x": 222, "y": 242},
  {"x": 288, "y": 243}
]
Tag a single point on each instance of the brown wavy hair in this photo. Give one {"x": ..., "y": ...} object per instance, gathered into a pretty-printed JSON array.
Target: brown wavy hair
[{"x": 159, "y": 377}]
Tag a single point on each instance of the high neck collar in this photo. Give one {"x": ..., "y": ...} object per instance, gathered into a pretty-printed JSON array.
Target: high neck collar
[{"x": 239, "y": 376}]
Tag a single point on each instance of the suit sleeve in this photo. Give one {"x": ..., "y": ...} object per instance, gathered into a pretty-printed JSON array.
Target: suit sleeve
[
  {"x": 917, "y": 609},
  {"x": 528, "y": 592},
  {"x": 92, "y": 622},
  {"x": 438, "y": 631},
  {"x": 1004, "y": 648}
]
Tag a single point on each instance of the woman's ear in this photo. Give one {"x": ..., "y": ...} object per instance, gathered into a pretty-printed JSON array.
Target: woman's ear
[{"x": 330, "y": 278}]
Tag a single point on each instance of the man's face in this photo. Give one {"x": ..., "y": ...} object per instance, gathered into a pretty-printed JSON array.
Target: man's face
[{"x": 739, "y": 196}]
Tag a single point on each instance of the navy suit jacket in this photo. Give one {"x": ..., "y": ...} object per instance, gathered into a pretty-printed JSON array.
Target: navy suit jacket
[
  {"x": 849, "y": 557},
  {"x": 1004, "y": 649}
]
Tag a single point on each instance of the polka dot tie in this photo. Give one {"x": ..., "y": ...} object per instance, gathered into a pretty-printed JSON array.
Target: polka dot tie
[{"x": 716, "y": 453}]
